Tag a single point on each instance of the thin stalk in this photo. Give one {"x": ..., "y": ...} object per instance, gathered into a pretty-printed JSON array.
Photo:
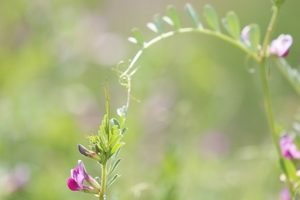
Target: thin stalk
[
  {"x": 224, "y": 37},
  {"x": 267, "y": 98},
  {"x": 103, "y": 178},
  {"x": 270, "y": 31},
  {"x": 269, "y": 109}
]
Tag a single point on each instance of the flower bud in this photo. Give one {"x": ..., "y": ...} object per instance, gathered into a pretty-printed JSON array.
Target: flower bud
[{"x": 88, "y": 153}]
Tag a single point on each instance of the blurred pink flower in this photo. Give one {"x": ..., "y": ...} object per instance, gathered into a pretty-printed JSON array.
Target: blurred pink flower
[
  {"x": 281, "y": 46},
  {"x": 285, "y": 194},
  {"x": 245, "y": 35},
  {"x": 288, "y": 147}
]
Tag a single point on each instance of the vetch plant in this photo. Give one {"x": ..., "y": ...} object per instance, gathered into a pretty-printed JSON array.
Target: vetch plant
[{"x": 104, "y": 146}]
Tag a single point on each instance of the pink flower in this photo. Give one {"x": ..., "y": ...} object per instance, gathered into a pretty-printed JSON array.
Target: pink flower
[
  {"x": 285, "y": 194},
  {"x": 288, "y": 148},
  {"x": 77, "y": 177},
  {"x": 281, "y": 46}
]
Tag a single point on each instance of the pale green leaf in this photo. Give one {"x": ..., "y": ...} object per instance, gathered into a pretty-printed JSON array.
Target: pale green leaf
[
  {"x": 112, "y": 180},
  {"x": 138, "y": 36},
  {"x": 115, "y": 165},
  {"x": 290, "y": 73},
  {"x": 211, "y": 17},
  {"x": 159, "y": 24},
  {"x": 232, "y": 25},
  {"x": 193, "y": 15},
  {"x": 174, "y": 16},
  {"x": 152, "y": 27},
  {"x": 254, "y": 37}
]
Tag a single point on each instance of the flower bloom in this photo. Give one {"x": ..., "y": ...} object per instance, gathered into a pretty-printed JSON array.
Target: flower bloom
[
  {"x": 281, "y": 46},
  {"x": 78, "y": 175},
  {"x": 285, "y": 194},
  {"x": 288, "y": 148}
]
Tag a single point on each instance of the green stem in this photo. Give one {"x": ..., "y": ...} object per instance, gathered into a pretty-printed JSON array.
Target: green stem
[
  {"x": 268, "y": 103},
  {"x": 270, "y": 31},
  {"x": 191, "y": 30},
  {"x": 103, "y": 182}
]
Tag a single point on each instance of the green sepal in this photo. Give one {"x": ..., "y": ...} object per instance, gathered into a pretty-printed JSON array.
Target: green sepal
[{"x": 211, "y": 17}]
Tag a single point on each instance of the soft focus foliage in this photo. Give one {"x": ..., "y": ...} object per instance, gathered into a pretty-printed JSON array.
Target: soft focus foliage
[{"x": 200, "y": 131}]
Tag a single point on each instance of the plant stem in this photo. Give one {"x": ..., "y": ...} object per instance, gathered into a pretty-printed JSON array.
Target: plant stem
[
  {"x": 103, "y": 182},
  {"x": 269, "y": 31},
  {"x": 268, "y": 103}
]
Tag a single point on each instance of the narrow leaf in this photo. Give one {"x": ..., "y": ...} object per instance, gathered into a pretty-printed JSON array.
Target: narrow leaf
[
  {"x": 174, "y": 16},
  {"x": 288, "y": 167},
  {"x": 133, "y": 40},
  {"x": 254, "y": 37},
  {"x": 115, "y": 165},
  {"x": 138, "y": 36},
  {"x": 112, "y": 180},
  {"x": 211, "y": 17},
  {"x": 232, "y": 25},
  {"x": 115, "y": 122},
  {"x": 290, "y": 73},
  {"x": 123, "y": 131},
  {"x": 159, "y": 24},
  {"x": 168, "y": 20},
  {"x": 116, "y": 147},
  {"x": 193, "y": 15}
]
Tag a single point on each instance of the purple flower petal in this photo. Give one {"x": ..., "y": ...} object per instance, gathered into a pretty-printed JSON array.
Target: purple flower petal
[
  {"x": 78, "y": 175},
  {"x": 72, "y": 184},
  {"x": 281, "y": 46}
]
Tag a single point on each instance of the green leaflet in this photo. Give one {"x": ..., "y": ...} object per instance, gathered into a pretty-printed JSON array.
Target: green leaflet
[
  {"x": 112, "y": 180},
  {"x": 115, "y": 165},
  {"x": 232, "y": 25},
  {"x": 137, "y": 37},
  {"x": 211, "y": 17},
  {"x": 158, "y": 22},
  {"x": 174, "y": 16},
  {"x": 291, "y": 74},
  {"x": 254, "y": 37},
  {"x": 193, "y": 15}
]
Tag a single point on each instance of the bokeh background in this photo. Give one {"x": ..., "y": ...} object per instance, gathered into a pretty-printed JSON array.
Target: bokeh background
[{"x": 199, "y": 132}]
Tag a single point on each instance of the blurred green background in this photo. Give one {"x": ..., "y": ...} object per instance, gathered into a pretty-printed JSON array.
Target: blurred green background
[{"x": 200, "y": 131}]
